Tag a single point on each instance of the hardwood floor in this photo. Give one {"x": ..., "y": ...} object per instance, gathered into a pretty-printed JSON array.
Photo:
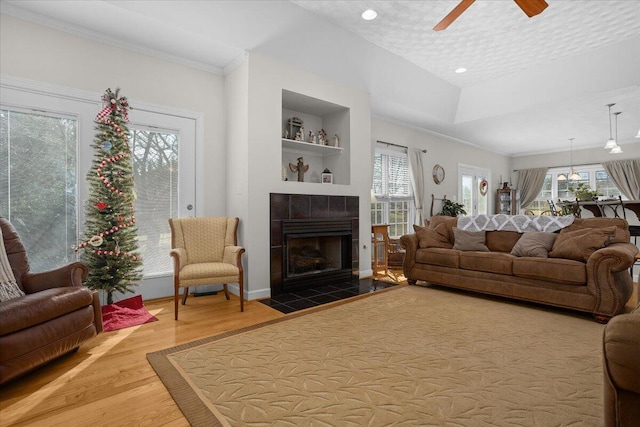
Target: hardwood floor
[{"x": 109, "y": 382}]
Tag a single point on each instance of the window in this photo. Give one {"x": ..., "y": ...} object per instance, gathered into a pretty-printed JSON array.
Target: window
[
  {"x": 470, "y": 179},
  {"x": 45, "y": 155},
  {"x": 38, "y": 183},
  {"x": 392, "y": 190},
  {"x": 594, "y": 176},
  {"x": 155, "y": 168}
]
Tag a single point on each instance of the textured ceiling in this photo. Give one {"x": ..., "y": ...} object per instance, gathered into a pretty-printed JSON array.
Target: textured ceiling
[
  {"x": 491, "y": 38},
  {"x": 532, "y": 82}
]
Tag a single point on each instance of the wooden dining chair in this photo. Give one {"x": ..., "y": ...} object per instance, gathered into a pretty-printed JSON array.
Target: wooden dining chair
[{"x": 611, "y": 207}]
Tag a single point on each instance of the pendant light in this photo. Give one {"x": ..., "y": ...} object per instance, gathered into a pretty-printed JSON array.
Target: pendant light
[
  {"x": 611, "y": 143},
  {"x": 617, "y": 149},
  {"x": 572, "y": 175}
]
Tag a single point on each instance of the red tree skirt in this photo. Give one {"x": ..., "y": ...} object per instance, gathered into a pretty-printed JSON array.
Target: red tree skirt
[{"x": 125, "y": 313}]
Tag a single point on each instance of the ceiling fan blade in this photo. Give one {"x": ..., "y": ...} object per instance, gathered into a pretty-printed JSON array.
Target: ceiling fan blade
[
  {"x": 453, "y": 15},
  {"x": 532, "y": 7}
]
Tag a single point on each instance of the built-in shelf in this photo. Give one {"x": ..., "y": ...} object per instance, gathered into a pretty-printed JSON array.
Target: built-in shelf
[
  {"x": 311, "y": 116},
  {"x": 307, "y": 147}
]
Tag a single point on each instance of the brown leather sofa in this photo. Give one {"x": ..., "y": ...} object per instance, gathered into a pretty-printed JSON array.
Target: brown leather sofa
[
  {"x": 601, "y": 285},
  {"x": 56, "y": 314},
  {"x": 621, "y": 359}
]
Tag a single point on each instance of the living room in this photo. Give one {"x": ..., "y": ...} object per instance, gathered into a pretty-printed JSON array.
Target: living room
[{"x": 238, "y": 116}]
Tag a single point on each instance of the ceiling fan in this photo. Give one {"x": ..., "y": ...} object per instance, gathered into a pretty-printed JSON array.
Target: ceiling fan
[{"x": 530, "y": 7}]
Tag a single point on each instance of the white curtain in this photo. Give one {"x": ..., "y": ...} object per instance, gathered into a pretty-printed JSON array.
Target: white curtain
[
  {"x": 530, "y": 183},
  {"x": 417, "y": 182},
  {"x": 625, "y": 174}
]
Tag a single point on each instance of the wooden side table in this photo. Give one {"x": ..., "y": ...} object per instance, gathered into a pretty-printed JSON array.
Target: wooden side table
[{"x": 380, "y": 243}]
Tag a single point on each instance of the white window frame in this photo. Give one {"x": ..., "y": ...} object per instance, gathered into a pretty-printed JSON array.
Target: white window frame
[
  {"x": 16, "y": 93},
  {"x": 383, "y": 201}
]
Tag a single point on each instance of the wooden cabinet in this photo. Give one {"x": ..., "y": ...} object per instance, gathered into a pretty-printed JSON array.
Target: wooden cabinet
[{"x": 507, "y": 201}]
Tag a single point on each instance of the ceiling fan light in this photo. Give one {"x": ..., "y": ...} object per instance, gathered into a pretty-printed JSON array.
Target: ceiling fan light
[
  {"x": 638, "y": 135},
  {"x": 611, "y": 143},
  {"x": 369, "y": 15},
  {"x": 562, "y": 177},
  {"x": 616, "y": 150},
  {"x": 574, "y": 177}
]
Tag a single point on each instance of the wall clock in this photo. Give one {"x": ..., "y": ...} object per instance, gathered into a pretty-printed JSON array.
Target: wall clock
[{"x": 438, "y": 174}]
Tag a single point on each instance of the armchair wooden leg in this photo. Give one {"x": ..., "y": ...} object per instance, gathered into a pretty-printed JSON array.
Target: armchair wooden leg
[
  {"x": 184, "y": 296},
  {"x": 226, "y": 291},
  {"x": 176, "y": 296}
]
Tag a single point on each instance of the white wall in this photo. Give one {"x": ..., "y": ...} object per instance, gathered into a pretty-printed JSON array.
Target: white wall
[
  {"x": 446, "y": 152},
  {"x": 266, "y": 80},
  {"x": 34, "y": 52},
  {"x": 580, "y": 157}
]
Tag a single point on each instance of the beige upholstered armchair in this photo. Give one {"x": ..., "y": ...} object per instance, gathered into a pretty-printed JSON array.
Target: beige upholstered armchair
[{"x": 205, "y": 251}]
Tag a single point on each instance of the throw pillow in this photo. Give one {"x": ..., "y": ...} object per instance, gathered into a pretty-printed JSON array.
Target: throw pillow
[
  {"x": 469, "y": 240},
  {"x": 620, "y": 236},
  {"x": 580, "y": 244},
  {"x": 433, "y": 237},
  {"x": 448, "y": 221},
  {"x": 8, "y": 287},
  {"x": 534, "y": 244}
]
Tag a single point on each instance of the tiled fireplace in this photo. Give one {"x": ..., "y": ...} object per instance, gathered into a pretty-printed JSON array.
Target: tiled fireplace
[{"x": 314, "y": 241}]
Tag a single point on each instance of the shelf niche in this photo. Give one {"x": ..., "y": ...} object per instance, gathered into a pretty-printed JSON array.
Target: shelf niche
[{"x": 316, "y": 114}]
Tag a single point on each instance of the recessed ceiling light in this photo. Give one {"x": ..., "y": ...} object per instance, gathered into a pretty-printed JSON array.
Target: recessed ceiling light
[
  {"x": 461, "y": 70},
  {"x": 369, "y": 14}
]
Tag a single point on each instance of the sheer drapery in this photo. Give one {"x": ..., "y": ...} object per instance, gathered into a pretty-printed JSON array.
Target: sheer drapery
[
  {"x": 417, "y": 182},
  {"x": 625, "y": 174},
  {"x": 531, "y": 182}
]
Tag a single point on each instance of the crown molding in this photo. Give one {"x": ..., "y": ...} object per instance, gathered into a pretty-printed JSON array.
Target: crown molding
[{"x": 79, "y": 31}]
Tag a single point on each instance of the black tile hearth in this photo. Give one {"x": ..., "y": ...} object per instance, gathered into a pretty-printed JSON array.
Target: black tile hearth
[{"x": 307, "y": 298}]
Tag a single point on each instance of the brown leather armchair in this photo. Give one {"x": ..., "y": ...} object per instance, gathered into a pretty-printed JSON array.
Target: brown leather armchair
[
  {"x": 56, "y": 314},
  {"x": 621, "y": 354}
]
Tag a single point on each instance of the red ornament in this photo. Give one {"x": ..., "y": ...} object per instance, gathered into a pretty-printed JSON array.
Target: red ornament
[{"x": 101, "y": 205}]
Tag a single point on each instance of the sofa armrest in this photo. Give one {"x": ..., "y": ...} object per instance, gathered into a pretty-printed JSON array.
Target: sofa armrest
[
  {"x": 621, "y": 341},
  {"x": 608, "y": 277},
  {"x": 410, "y": 244},
  {"x": 73, "y": 274}
]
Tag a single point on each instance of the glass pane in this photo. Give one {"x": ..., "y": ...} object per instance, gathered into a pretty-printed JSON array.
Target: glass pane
[
  {"x": 483, "y": 200},
  {"x": 155, "y": 165},
  {"x": 38, "y": 184},
  {"x": 467, "y": 193},
  {"x": 605, "y": 186}
]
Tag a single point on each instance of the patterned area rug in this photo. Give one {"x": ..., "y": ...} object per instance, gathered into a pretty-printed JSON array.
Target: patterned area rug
[{"x": 408, "y": 356}]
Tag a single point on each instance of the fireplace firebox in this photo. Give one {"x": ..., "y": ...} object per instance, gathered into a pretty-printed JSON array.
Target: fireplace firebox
[
  {"x": 314, "y": 241},
  {"x": 315, "y": 251}
]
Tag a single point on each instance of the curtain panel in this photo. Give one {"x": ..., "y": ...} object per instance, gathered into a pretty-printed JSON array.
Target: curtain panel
[
  {"x": 531, "y": 182},
  {"x": 625, "y": 174},
  {"x": 417, "y": 182}
]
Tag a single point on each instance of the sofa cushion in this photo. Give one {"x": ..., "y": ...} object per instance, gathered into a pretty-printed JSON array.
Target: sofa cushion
[
  {"x": 448, "y": 221},
  {"x": 42, "y": 307},
  {"x": 469, "y": 240},
  {"x": 580, "y": 244},
  {"x": 436, "y": 237},
  {"x": 501, "y": 241},
  {"x": 555, "y": 270},
  {"x": 490, "y": 262},
  {"x": 438, "y": 256},
  {"x": 534, "y": 244}
]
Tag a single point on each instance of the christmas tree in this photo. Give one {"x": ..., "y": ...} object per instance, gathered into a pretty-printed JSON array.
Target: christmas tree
[{"x": 110, "y": 248}]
